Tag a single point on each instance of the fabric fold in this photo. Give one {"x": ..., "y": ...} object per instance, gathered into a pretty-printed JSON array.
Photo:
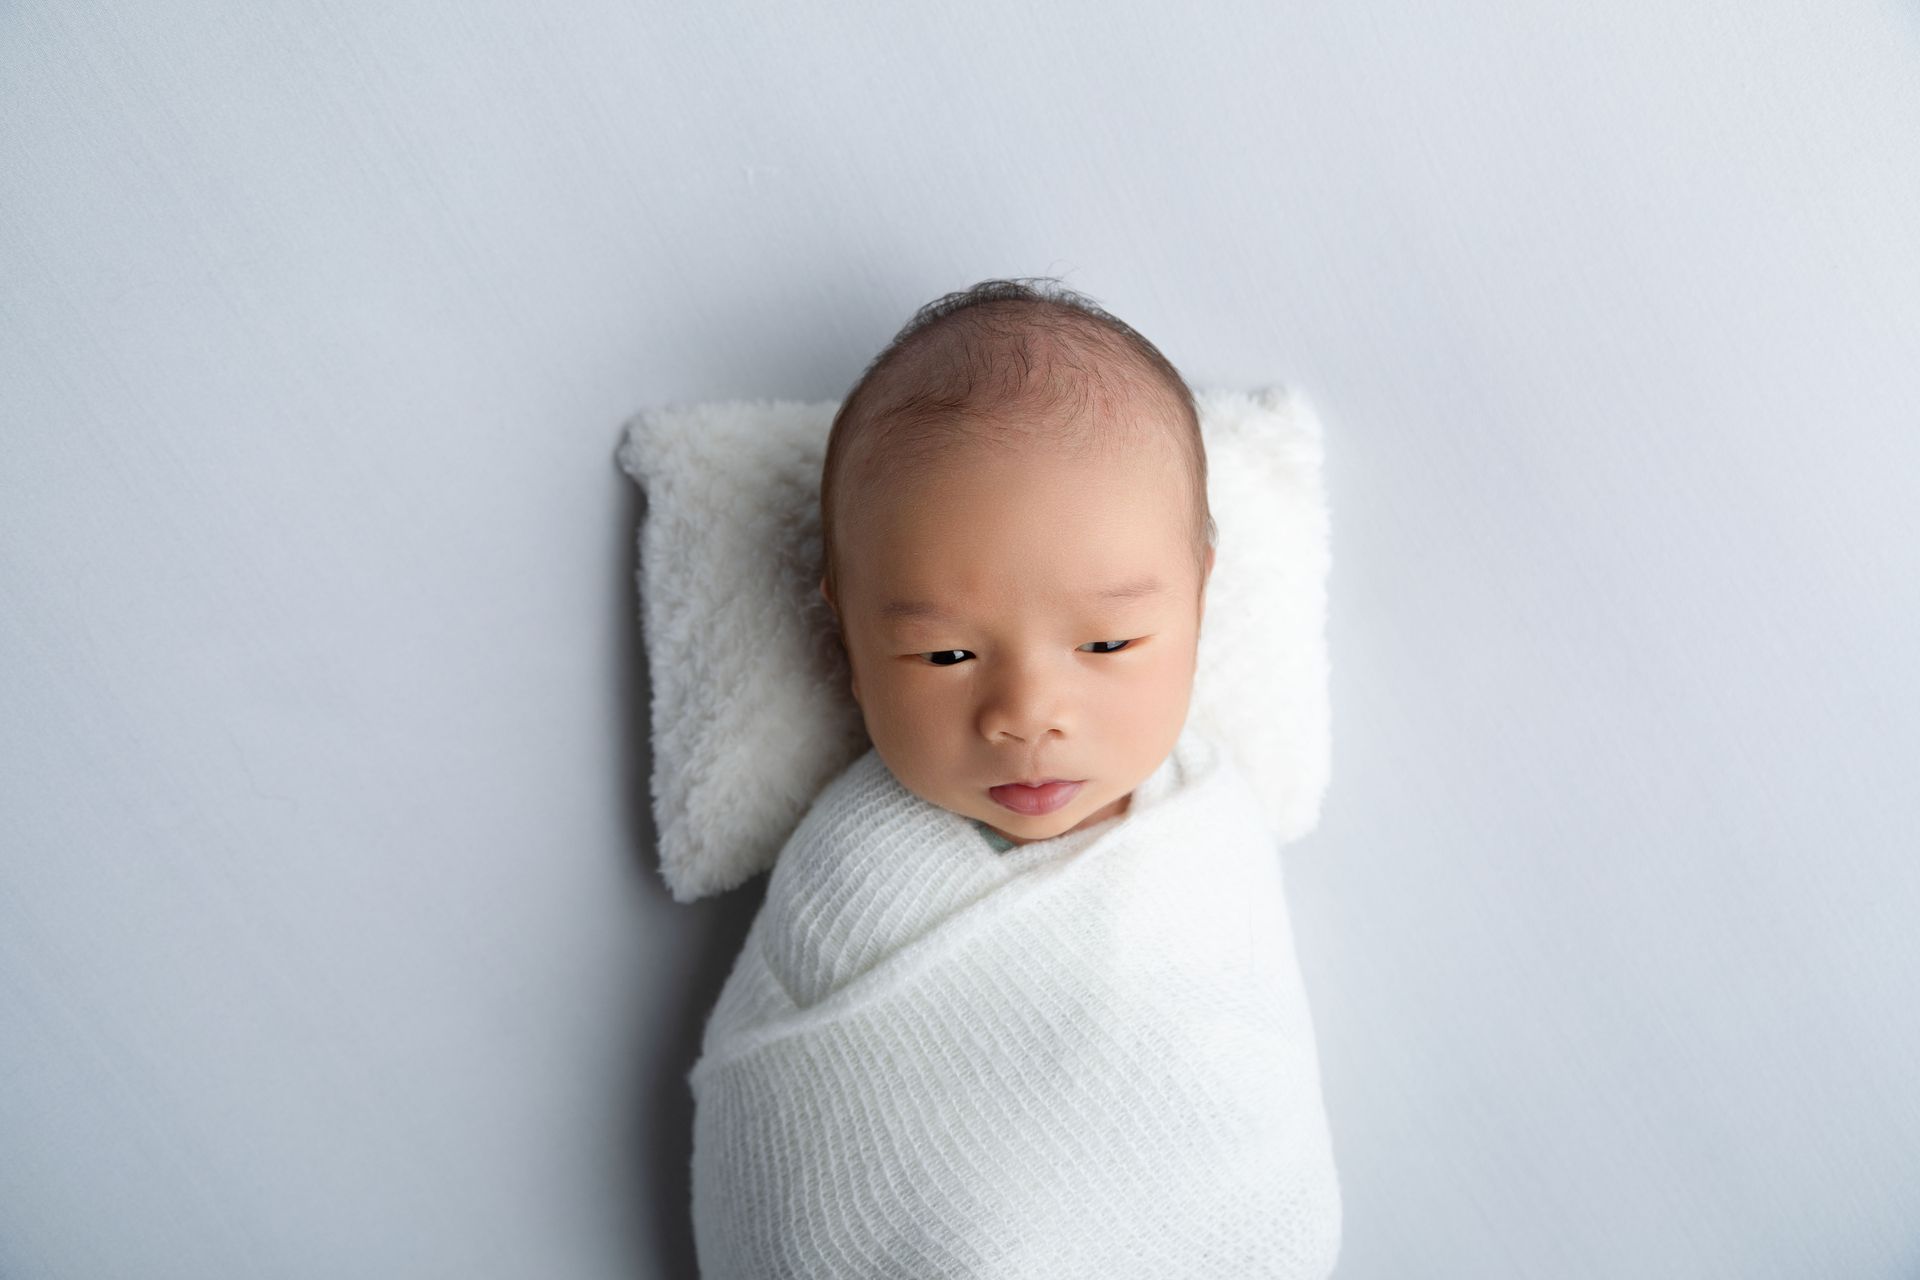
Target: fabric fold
[{"x": 1086, "y": 1056}]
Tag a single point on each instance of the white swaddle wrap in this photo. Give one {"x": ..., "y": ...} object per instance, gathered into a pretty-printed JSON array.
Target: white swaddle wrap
[{"x": 1086, "y": 1056}]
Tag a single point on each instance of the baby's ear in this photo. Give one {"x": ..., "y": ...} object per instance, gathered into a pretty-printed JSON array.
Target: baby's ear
[{"x": 839, "y": 627}]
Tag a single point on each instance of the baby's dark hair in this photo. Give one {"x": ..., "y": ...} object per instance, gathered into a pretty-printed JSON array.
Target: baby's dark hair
[{"x": 1029, "y": 341}]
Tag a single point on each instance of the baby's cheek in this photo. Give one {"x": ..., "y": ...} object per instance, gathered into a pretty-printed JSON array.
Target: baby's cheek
[{"x": 1170, "y": 687}]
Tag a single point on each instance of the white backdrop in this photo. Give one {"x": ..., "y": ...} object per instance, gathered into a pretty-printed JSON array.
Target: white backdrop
[{"x": 331, "y": 935}]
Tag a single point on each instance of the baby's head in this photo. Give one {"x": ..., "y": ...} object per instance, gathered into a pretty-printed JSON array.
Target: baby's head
[{"x": 1018, "y": 541}]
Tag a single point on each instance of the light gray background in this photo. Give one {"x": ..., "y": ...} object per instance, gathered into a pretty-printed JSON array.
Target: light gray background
[{"x": 331, "y": 934}]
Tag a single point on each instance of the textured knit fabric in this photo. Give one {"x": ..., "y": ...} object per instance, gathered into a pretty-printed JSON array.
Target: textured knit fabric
[
  {"x": 995, "y": 841},
  {"x": 1090, "y": 1056}
]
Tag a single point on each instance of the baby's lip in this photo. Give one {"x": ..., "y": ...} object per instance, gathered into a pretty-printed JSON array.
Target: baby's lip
[
  {"x": 1036, "y": 782},
  {"x": 1036, "y": 801}
]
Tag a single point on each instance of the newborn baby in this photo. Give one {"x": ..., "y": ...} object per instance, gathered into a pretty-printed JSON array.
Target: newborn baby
[
  {"x": 1018, "y": 541},
  {"x": 1021, "y": 999}
]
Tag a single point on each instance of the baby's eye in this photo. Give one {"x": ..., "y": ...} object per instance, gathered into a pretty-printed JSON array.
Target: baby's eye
[{"x": 934, "y": 659}]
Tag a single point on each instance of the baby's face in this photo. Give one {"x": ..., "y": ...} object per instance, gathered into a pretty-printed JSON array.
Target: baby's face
[{"x": 983, "y": 652}]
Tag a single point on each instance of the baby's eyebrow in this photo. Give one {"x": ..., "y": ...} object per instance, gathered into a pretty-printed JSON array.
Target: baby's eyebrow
[{"x": 1133, "y": 589}]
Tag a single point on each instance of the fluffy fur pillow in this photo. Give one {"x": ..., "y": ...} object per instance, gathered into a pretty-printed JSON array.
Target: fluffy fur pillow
[{"x": 752, "y": 713}]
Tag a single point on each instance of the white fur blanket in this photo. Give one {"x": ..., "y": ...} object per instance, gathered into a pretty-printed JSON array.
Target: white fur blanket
[{"x": 1087, "y": 1056}]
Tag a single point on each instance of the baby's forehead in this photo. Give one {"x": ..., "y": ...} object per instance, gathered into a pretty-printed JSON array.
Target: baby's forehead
[
  {"x": 955, "y": 491},
  {"x": 993, "y": 452}
]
